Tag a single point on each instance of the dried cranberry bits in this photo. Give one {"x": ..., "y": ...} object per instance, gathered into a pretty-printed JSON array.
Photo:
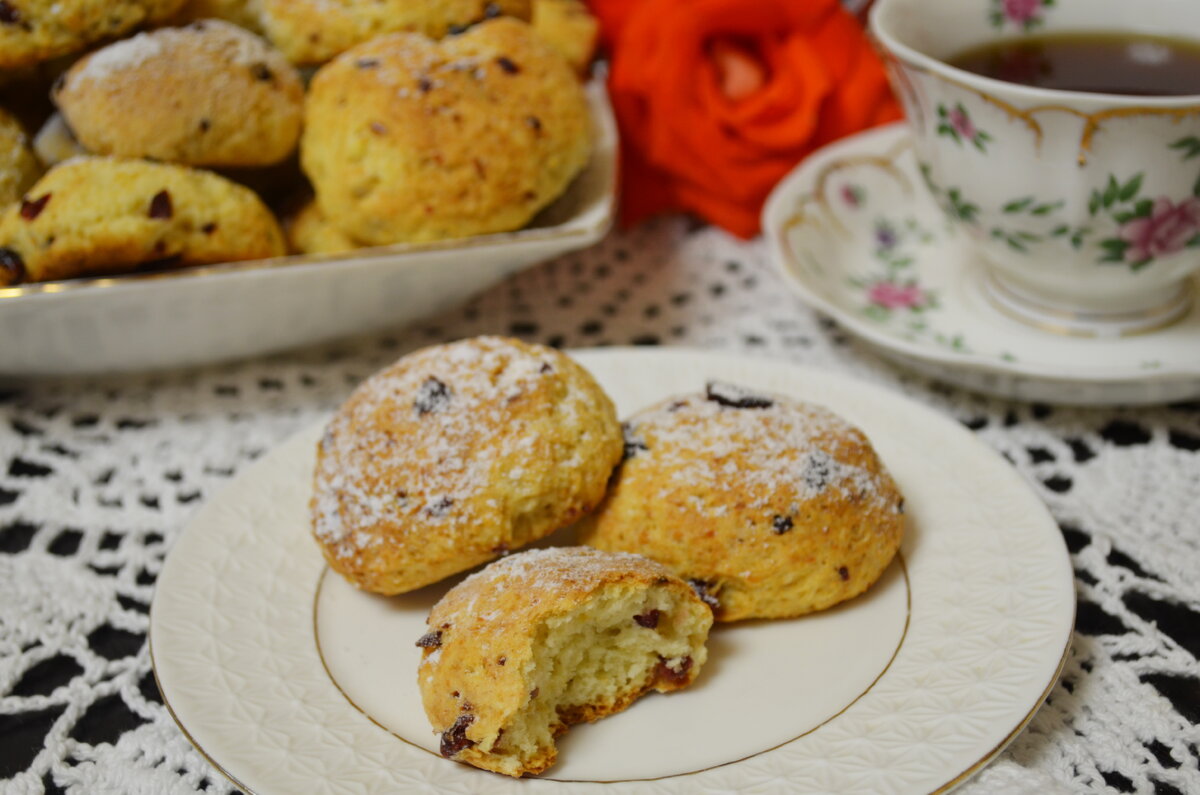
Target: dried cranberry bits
[
  {"x": 31, "y": 209},
  {"x": 676, "y": 676},
  {"x": 432, "y": 395},
  {"x": 8, "y": 14},
  {"x": 455, "y": 739},
  {"x": 649, "y": 619},
  {"x": 12, "y": 265},
  {"x": 430, "y": 640},
  {"x": 160, "y": 206},
  {"x": 735, "y": 397},
  {"x": 506, "y": 63}
]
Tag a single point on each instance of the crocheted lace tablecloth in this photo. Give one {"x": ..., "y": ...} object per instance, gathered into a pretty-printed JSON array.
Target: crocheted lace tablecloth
[{"x": 99, "y": 476}]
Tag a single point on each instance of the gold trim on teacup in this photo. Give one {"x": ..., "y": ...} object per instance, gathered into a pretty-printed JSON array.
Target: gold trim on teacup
[{"x": 1026, "y": 115}]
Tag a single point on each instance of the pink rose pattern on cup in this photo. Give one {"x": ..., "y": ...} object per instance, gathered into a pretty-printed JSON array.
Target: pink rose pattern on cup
[
  {"x": 1026, "y": 14},
  {"x": 956, "y": 123},
  {"x": 1140, "y": 229},
  {"x": 1169, "y": 228}
]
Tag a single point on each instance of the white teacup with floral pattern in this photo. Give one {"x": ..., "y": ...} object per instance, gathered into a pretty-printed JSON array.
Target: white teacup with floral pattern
[{"x": 1085, "y": 207}]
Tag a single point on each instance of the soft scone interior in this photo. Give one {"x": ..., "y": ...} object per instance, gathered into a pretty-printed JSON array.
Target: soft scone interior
[{"x": 597, "y": 659}]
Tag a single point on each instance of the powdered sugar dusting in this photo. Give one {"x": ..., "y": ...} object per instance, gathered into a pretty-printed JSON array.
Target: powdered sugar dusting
[
  {"x": 393, "y": 455},
  {"x": 776, "y": 446},
  {"x": 122, "y": 55},
  {"x": 224, "y": 41},
  {"x": 554, "y": 570}
]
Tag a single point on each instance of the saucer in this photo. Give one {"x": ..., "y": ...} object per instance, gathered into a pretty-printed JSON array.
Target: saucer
[{"x": 858, "y": 235}]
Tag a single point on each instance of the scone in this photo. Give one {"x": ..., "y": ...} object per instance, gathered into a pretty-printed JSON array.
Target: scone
[
  {"x": 32, "y": 31},
  {"x": 243, "y": 13},
  {"x": 568, "y": 27},
  {"x": 770, "y": 507},
  {"x": 455, "y": 455},
  {"x": 18, "y": 166},
  {"x": 412, "y": 140},
  {"x": 208, "y": 94},
  {"x": 313, "y": 31},
  {"x": 551, "y": 637},
  {"x": 309, "y": 232},
  {"x": 93, "y": 216}
]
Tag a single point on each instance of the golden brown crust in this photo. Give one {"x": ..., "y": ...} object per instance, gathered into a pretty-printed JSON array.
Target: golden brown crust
[
  {"x": 774, "y": 511},
  {"x": 410, "y": 140},
  {"x": 313, "y": 31},
  {"x": 33, "y": 31},
  {"x": 103, "y": 215},
  {"x": 568, "y": 27},
  {"x": 484, "y": 634},
  {"x": 309, "y": 232},
  {"x": 243, "y": 13},
  {"x": 208, "y": 94},
  {"x": 456, "y": 454},
  {"x": 18, "y": 166}
]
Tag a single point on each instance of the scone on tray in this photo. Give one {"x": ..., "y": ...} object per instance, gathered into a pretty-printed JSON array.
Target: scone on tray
[
  {"x": 18, "y": 165},
  {"x": 548, "y": 638},
  {"x": 100, "y": 215},
  {"x": 456, "y": 455},
  {"x": 410, "y": 140},
  {"x": 770, "y": 507},
  {"x": 34, "y": 31},
  {"x": 312, "y": 32},
  {"x": 207, "y": 94}
]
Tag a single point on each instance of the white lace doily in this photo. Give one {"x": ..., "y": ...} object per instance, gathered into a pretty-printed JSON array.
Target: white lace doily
[{"x": 98, "y": 476}]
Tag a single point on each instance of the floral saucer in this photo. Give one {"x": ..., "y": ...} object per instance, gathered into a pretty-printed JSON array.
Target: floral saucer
[{"x": 858, "y": 235}]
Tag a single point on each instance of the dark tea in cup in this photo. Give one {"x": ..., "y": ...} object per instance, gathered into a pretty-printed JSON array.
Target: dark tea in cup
[{"x": 1104, "y": 63}]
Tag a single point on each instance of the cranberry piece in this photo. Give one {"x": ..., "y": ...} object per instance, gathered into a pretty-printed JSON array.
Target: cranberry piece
[
  {"x": 8, "y": 14},
  {"x": 506, "y": 63},
  {"x": 649, "y": 619},
  {"x": 424, "y": 85},
  {"x": 676, "y": 676},
  {"x": 455, "y": 739},
  {"x": 432, "y": 395},
  {"x": 32, "y": 209},
  {"x": 735, "y": 397},
  {"x": 439, "y": 507},
  {"x": 12, "y": 266},
  {"x": 160, "y": 205},
  {"x": 502, "y": 661},
  {"x": 534, "y": 123},
  {"x": 633, "y": 445},
  {"x": 261, "y": 72},
  {"x": 818, "y": 470},
  {"x": 430, "y": 640},
  {"x": 844, "y": 573},
  {"x": 781, "y": 524},
  {"x": 209, "y": 228}
]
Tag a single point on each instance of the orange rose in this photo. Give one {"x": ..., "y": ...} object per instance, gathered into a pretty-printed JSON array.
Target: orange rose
[{"x": 718, "y": 99}]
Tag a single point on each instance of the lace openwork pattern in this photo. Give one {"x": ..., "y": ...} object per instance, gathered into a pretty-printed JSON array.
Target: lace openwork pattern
[{"x": 99, "y": 476}]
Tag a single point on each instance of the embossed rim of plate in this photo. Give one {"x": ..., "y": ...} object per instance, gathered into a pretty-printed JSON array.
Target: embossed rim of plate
[
  {"x": 887, "y": 143},
  {"x": 992, "y": 614}
]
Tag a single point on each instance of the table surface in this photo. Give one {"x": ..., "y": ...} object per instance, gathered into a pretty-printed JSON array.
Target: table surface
[{"x": 99, "y": 476}]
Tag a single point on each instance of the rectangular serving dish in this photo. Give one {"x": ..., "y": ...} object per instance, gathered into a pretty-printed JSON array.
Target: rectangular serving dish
[{"x": 211, "y": 313}]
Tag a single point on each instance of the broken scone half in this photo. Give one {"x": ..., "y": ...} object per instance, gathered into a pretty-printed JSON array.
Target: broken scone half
[{"x": 547, "y": 638}]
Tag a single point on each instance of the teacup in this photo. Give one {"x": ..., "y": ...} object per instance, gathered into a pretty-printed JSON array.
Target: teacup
[{"x": 1085, "y": 208}]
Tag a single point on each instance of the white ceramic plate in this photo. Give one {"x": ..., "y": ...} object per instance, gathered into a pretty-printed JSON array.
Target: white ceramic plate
[
  {"x": 228, "y": 311},
  {"x": 858, "y": 236},
  {"x": 291, "y": 681}
]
